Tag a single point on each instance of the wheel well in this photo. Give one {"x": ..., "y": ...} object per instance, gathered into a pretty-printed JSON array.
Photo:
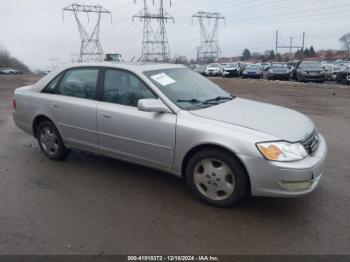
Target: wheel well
[
  {"x": 37, "y": 121},
  {"x": 208, "y": 146}
]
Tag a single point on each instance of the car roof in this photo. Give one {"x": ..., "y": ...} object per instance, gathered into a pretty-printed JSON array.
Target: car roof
[{"x": 137, "y": 66}]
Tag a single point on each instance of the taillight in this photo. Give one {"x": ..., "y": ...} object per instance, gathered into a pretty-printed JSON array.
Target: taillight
[{"x": 14, "y": 103}]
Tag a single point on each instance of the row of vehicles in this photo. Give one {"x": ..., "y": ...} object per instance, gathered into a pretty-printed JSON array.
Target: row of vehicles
[
  {"x": 9, "y": 71},
  {"x": 302, "y": 71}
]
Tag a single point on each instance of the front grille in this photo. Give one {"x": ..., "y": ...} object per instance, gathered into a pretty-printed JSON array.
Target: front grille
[{"x": 311, "y": 143}]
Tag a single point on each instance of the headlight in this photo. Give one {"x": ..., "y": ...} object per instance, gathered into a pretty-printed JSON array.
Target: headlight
[
  {"x": 270, "y": 71},
  {"x": 282, "y": 151}
]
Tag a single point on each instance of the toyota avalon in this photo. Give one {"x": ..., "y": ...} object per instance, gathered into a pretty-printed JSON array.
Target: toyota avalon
[{"x": 173, "y": 119}]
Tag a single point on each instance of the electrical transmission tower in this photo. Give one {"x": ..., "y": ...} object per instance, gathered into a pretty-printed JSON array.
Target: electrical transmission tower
[
  {"x": 209, "y": 49},
  {"x": 155, "y": 45},
  {"x": 91, "y": 49}
]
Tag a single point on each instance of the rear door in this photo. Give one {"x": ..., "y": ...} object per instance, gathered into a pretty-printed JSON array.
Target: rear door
[
  {"x": 74, "y": 107},
  {"x": 127, "y": 133}
]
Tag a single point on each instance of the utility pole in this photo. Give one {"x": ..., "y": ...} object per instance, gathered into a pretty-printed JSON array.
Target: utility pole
[
  {"x": 290, "y": 46},
  {"x": 276, "y": 45},
  {"x": 303, "y": 45},
  {"x": 209, "y": 48},
  {"x": 90, "y": 49},
  {"x": 155, "y": 45}
]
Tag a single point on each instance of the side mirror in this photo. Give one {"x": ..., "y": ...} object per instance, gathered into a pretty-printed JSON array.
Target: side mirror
[{"x": 152, "y": 105}]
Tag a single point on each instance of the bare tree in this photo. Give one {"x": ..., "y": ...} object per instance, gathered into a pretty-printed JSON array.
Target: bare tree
[
  {"x": 345, "y": 42},
  {"x": 6, "y": 60}
]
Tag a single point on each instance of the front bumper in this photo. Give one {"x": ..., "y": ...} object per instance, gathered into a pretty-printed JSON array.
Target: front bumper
[
  {"x": 278, "y": 75},
  {"x": 230, "y": 73},
  {"x": 251, "y": 75},
  {"x": 212, "y": 73},
  {"x": 312, "y": 77},
  {"x": 284, "y": 179}
]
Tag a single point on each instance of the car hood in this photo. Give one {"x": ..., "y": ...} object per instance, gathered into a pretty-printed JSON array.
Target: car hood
[
  {"x": 213, "y": 68},
  {"x": 230, "y": 68},
  {"x": 283, "y": 123}
]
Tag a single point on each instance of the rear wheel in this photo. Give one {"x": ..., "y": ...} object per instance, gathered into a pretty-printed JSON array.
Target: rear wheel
[
  {"x": 216, "y": 177},
  {"x": 50, "y": 141}
]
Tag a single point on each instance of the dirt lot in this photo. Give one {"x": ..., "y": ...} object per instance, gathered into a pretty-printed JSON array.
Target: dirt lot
[{"x": 96, "y": 205}]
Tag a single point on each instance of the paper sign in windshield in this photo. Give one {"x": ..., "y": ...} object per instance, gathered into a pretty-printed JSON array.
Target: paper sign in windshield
[{"x": 163, "y": 79}]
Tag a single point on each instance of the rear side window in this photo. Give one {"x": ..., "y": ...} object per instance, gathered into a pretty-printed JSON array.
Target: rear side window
[{"x": 79, "y": 83}]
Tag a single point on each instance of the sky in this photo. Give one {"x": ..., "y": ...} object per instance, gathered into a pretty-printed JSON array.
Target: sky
[{"x": 34, "y": 31}]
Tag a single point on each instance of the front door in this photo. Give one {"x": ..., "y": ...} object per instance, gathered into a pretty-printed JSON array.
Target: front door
[{"x": 127, "y": 133}]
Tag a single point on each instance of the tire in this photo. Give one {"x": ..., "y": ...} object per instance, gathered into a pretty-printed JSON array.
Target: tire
[
  {"x": 218, "y": 188},
  {"x": 50, "y": 141}
]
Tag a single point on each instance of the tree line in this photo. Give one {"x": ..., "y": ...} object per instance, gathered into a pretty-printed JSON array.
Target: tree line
[
  {"x": 269, "y": 55},
  {"x": 7, "y": 61}
]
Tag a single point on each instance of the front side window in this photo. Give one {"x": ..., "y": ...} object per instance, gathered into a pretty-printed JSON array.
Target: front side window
[
  {"x": 79, "y": 83},
  {"x": 124, "y": 88}
]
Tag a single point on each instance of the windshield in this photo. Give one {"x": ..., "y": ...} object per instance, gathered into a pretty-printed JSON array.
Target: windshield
[
  {"x": 231, "y": 66},
  {"x": 311, "y": 66},
  {"x": 187, "y": 89},
  {"x": 253, "y": 67},
  {"x": 282, "y": 66},
  {"x": 213, "y": 65}
]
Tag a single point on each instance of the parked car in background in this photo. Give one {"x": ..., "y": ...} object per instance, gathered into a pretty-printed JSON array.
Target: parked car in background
[
  {"x": 265, "y": 66},
  {"x": 170, "y": 118},
  {"x": 343, "y": 75},
  {"x": 253, "y": 71},
  {"x": 200, "y": 69},
  {"x": 336, "y": 68},
  {"x": 213, "y": 69},
  {"x": 279, "y": 71},
  {"x": 8, "y": 71},
  {"x": 293, "y": 66},
  {"x": 232, "y": 69},
  {"x": 328, "y": 71},
  {"x": 311, "y": 71}
]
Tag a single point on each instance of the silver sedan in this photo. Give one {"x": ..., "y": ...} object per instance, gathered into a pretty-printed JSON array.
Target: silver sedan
[{"x": 168, "y": 117}]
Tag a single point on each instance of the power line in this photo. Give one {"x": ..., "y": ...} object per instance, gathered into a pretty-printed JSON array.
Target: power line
[{"x": 290, "y": 46}]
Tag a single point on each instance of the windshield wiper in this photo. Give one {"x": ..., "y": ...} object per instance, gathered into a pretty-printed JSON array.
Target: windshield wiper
[
  {"x": 193, "y": 100},
  {"x": 218, "y": 98}
]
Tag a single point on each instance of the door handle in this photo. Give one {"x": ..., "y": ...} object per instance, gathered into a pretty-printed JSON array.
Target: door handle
[{"x": 106, "y": 116}]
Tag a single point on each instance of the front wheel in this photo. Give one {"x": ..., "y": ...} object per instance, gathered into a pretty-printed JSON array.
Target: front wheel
[
  {"x": 216, "y": 177},
  {"x": 51, "y": 142}
]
